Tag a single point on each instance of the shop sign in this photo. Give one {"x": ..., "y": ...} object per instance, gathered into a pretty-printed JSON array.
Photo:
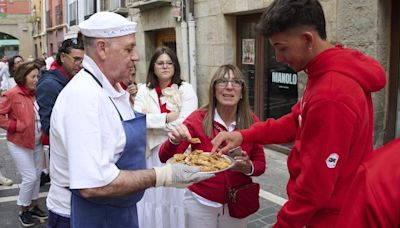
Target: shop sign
[{"x": 284, "y": 78}]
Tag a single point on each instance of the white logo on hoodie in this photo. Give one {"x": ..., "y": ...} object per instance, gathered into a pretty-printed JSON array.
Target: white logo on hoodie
[{"x": 332, "y": 160}]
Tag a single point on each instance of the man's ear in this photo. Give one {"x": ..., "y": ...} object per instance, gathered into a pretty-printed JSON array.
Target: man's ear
[
  {"x": 308, "y": 39},
  {"x": 101, "y": 46},
  {"x": 62, "y": 57}
]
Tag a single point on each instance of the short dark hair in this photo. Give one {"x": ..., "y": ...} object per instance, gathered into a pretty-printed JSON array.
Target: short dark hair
[
  {"x": 40, "y": 61},
  {"x": 283, "y": 15},
  {"x": 66, "y": 47},
  {"x": 152, "y": 80},
  {"x": 23, "y": 70}
]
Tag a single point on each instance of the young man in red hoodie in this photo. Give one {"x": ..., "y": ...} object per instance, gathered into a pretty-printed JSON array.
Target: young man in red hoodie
[
  {"x": 374, "y": 197},
  {"x": 331, "y": 126}
]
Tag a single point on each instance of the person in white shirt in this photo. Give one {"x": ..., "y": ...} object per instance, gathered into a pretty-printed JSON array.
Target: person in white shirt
[
  {"x": 8, "y": 81},
  {"x": 98, "y": 146},
  {"x": 167, "y": 100}
]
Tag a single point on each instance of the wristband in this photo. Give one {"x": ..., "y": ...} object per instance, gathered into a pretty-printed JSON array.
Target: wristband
[{"x": 163, "y": 175}]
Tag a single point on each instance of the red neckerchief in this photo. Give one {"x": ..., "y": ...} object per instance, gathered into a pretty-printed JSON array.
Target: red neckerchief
[
  {"x": 57, "y": 66},
  {"x": 26, "y": 92},
  {"x": 124, "y": 87},
  {"x": 163, "y": 107}
]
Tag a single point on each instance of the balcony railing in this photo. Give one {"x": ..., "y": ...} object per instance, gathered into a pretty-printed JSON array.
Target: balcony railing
[
  {"x": 118, "y": 6},
  {"x": 147, "y": 4}
]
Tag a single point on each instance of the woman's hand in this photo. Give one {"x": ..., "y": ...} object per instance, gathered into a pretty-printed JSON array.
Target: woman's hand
[
  {"x": 242, "y": 163},
  {"x": 179, "y": 134},
  {"x": 132, "y": 89}
]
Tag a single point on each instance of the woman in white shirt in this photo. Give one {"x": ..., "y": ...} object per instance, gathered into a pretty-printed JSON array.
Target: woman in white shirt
[{"x": 167, "y": 101}]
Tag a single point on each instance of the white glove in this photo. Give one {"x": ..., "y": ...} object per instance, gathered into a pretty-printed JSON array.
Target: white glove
[{"x": 179, "y": 175}]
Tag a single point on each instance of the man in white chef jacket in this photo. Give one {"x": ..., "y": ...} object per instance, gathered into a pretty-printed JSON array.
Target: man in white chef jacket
[{"x": 98, "y": 141}]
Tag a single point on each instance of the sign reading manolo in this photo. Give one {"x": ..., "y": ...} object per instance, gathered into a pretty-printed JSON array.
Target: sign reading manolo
[{"x": 284, "y": 78}]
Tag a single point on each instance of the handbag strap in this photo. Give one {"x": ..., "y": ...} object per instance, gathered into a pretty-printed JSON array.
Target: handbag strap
[{"x": 227, "y": 182}]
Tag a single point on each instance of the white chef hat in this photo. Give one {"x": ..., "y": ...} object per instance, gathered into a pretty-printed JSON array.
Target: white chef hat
[{"x": 107, "y": 25}]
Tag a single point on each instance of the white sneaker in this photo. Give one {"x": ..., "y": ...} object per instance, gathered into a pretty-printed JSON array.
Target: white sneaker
[{"x": 5, "y": 181}]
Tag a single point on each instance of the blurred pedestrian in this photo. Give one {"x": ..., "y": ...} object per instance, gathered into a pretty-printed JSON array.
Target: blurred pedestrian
[
  {"x": 331, "y": 126},
  {"x": 4, "y": 74},
  {"x": 5, "y": 181},
  {"x": 167, "y": 100},
  {"x": 41, "y": 63},
  {"x": 68, "y": 63},
  {"x": 19, "y": 116},
  {"x": 228, "y": 110},
  {"x": 49, "y": 61},
  {"x": 8, "y": 81},
  {"x": 129, "y": 84}
]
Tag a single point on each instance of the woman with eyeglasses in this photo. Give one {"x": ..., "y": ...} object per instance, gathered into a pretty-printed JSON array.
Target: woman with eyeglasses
[
  {"x": 167, "y": 100},
  {"x": 228, "y": 109},
  {"x": 19, "y": 116}
]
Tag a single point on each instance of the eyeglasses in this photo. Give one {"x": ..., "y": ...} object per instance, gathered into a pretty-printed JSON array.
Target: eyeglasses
[
  {"x": 164, "y": 64},
  {"x": 77, "y": 60},
  {"x": 223, "y": 83}
]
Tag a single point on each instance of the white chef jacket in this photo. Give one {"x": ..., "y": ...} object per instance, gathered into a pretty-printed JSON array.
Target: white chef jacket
[{"x": 86, "y": 136}]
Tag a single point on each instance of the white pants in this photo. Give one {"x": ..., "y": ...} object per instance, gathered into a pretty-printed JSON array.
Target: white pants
[
  {"x": 29, "y": 165},
  {"x": 198, "y": 215},
  {"x": 160, "y": 207}
]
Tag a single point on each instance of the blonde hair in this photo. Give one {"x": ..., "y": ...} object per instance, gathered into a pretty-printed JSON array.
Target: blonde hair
[{"x": 243, "y": 113}]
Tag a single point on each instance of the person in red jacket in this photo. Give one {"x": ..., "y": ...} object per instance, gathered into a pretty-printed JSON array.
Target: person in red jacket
[
  {"x": 374, "y": 200},
  {"x": 228, "y": 109},
  {"x": 19, "y": 116},
  {"x": 331, "y": 126}
]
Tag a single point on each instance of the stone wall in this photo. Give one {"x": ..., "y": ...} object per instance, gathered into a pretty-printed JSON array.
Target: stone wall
[
  {"x": 148, "y": 22},
  {"x": 365, "y": 25},
  {"x": 358, "y": 24}
]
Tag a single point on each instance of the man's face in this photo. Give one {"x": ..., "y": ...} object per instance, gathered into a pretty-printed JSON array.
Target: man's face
[
  {"x": 121, "y": 57},
  {"x": 292, "y": 48},
  {"x": 72, "y": 62}
]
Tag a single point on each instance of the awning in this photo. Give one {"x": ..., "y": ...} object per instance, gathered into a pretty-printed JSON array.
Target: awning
[{"x": 9, "y": 42}]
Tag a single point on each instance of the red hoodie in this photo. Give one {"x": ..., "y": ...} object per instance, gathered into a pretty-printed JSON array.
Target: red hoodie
[
  {"x": 374, "y": 197},
  {"x": 332, "y": 127}
]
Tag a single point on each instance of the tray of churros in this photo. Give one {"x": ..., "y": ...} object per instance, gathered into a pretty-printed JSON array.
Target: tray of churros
[{"x": 208, "y": 162}]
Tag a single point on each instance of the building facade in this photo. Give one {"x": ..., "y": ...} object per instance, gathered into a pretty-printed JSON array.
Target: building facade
[
  {"x": 16, "y": 28},
  {"x": 56, "y": 25},
  {"x": 208, "y": 33},
  {"x": 39, "y": 28}
]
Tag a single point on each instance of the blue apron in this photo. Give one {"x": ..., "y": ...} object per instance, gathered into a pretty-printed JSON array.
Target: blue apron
[{"x": 115, "y": 212}]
